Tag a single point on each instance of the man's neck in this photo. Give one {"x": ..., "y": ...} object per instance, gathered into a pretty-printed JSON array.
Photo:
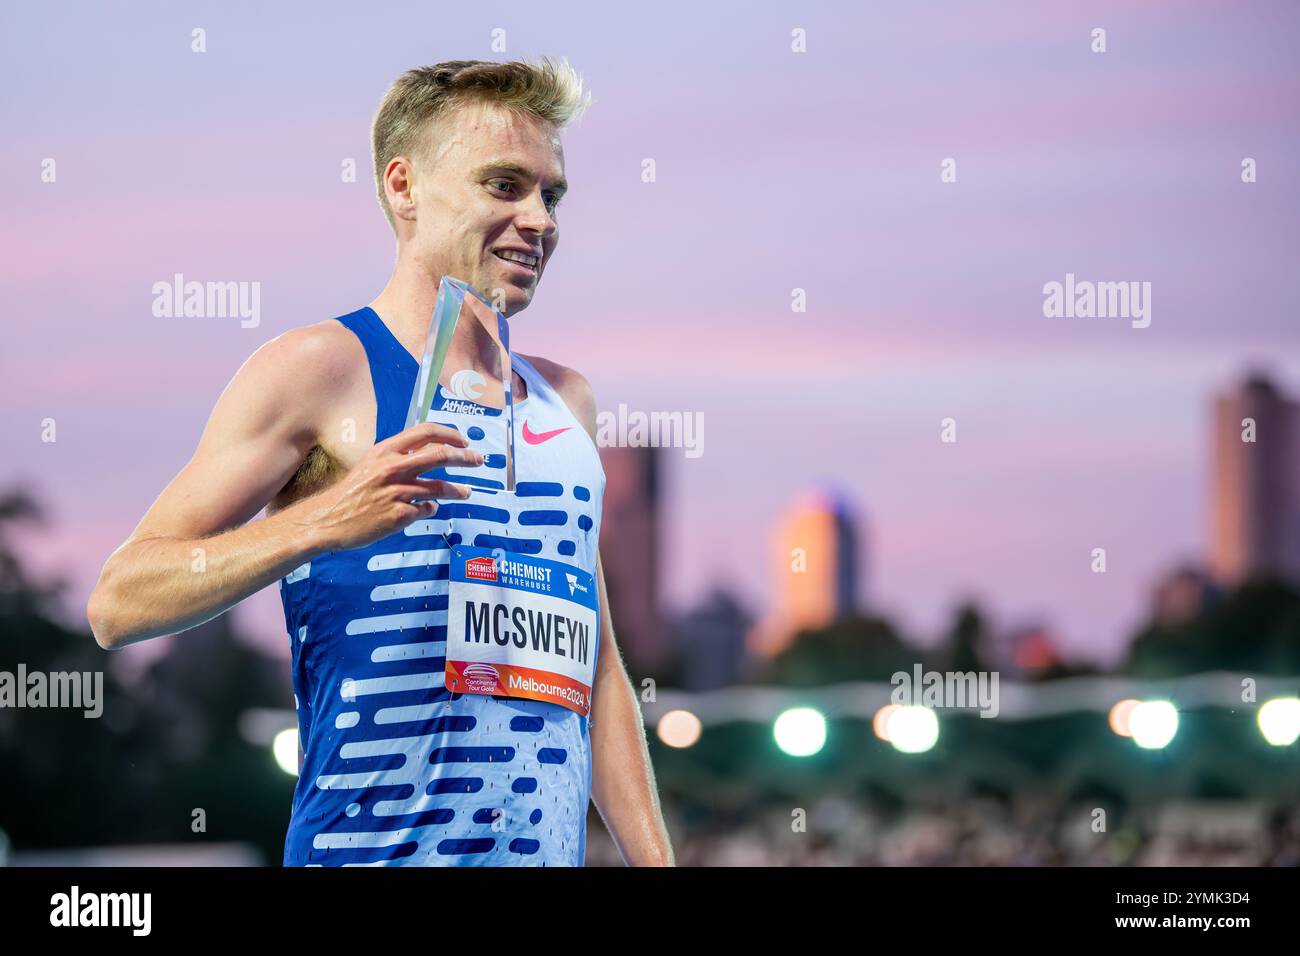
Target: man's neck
[{"x": 406, "y": 306}]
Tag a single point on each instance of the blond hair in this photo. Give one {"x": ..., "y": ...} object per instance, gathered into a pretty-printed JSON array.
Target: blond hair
[{"x": 548, "y": 89}]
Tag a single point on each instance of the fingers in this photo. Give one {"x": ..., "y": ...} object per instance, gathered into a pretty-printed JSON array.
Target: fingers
[
  {"x": 419, "y": 435},
  {"x": 418, "y": 462},
  {"x": 418, "y": 489},
  {"x": 415, "y": 510}
]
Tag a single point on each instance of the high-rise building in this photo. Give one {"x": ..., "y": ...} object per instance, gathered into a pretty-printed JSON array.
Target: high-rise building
[
  {"x": 711, "y": 642},
  {"x": 815, "y": 570},
  {"x": 629, "y": 553},
  {"x": 1255, "y": 484}
]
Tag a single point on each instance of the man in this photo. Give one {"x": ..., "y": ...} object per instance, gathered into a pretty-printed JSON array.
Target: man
[{"x": 397, "y": 769}]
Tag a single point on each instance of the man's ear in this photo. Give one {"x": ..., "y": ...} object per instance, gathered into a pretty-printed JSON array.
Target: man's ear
[{"x": 399, "y": 184}]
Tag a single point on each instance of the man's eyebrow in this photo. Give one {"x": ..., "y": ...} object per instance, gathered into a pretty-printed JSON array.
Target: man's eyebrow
[{"x": 561, "y": 185}]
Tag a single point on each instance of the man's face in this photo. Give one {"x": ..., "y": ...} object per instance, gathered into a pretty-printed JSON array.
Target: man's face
[{"x": 489, "y": 190}]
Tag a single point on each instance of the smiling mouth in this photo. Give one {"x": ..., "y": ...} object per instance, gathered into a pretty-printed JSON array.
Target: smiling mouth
[{"x": 520, "y": 260}]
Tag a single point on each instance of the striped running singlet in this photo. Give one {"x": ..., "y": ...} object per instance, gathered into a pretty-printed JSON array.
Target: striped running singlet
[{"x": 397, "y": 771}]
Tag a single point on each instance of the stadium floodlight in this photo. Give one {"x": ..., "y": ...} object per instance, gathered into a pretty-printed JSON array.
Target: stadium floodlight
[
  {"x": 800, "y": 731},
  {"x": 1153, "y": 723},
  {"x": 679, "y": 728},
  {"x": 912, "y": 729},
  {"x": 1279, "y": 721}
]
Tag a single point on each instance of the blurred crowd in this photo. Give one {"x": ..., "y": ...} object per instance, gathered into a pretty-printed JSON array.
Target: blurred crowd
[{"x": 1025, "y": 831}]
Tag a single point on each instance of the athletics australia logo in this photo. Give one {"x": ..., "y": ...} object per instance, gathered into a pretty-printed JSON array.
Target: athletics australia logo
[
  {"x": 462, "y": 393},
  {"x": 467, "y": 384}
]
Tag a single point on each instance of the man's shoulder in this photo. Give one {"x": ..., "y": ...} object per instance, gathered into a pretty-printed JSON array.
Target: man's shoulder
[
  {"x": 572, "y": 386},
  {"x": 298, "y": 378},
  {"x": 324, "y": 353},
  {"x": 328, "y": 341}
]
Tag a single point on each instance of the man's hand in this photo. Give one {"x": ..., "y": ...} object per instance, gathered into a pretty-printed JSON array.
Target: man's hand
[{"x": 383, "y": 494}]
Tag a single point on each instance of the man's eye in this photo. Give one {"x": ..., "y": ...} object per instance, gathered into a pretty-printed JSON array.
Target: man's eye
[{"x": 552, "y": 200}]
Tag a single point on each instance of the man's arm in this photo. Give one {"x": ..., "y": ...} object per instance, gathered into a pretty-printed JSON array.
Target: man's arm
[
  {"x": 623, "y": 783},
  {"x": 192, "y": 557}
]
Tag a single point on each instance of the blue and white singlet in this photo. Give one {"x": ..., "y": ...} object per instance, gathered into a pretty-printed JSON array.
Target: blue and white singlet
[{"x": 397, "y": 771}]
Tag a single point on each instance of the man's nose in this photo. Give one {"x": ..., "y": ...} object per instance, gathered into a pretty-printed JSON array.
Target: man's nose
[{"x": 534, "y": 216}]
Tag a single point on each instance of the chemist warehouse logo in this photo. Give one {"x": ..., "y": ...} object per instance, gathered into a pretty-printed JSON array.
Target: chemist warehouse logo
[
  {"x": 481, "y": 569},
  {"x": 518, "y": 574}
]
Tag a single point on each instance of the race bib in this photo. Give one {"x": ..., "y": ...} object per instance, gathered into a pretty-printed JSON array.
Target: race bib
[{"x": 520, "y": 626}]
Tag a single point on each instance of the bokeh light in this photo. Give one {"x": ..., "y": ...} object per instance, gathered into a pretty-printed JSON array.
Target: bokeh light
[
  {"x": 880, "y": 722},
  {"x": 800, "y": 731},
  {"x": 1279, "y": 721},
  {"x": 1120, "y": 714},
  {"x": 1153, "y": 723},
  {"x": 912, "y": 729},
  {"x": 285, "y": 749},
  {"x": 679, "y": 728}
]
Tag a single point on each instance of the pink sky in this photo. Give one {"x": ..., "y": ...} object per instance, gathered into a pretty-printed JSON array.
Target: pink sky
[{"x": 775, "y": 171}]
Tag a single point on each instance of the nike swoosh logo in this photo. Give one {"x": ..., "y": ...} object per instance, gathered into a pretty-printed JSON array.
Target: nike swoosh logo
[{"x": 536, "y": 438}]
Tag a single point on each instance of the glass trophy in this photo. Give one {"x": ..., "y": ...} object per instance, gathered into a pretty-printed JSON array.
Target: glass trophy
[{"x": 466, "y": 368}]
